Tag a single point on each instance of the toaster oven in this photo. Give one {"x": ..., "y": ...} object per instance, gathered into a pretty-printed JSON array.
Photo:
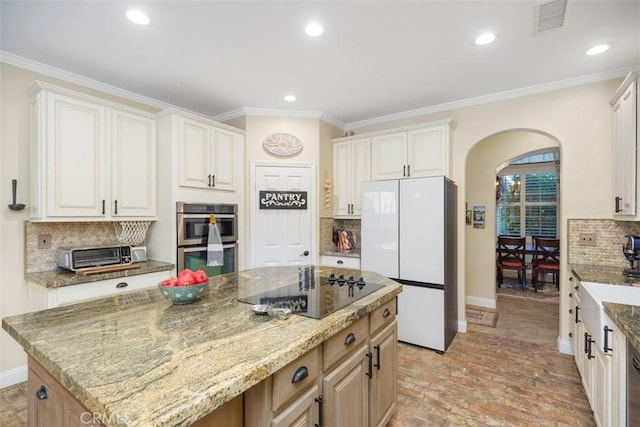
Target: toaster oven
[{"x": 78, "y": 258}]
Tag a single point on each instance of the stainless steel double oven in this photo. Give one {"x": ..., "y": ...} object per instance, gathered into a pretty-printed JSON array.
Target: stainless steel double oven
[{"x": 193, "y": 231}]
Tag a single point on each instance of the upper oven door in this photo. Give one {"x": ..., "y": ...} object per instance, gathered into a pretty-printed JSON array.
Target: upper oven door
[{"x": 193, "y": 229}]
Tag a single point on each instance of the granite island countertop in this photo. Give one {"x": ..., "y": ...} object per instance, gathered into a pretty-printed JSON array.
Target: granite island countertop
[
  {"x": 626, "y": 317},
  {"x": 138, "y": 359},
  {"x": 60, "y": 278}
]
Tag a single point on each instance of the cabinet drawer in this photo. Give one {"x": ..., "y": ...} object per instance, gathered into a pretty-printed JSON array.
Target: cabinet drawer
[
  {"x": 340, "y": 262},
  {"x": 382, "y": 315},
  {"x": 86, "y": 291},
  {"x": 339, "y": 346},
  {"x": 292, "y": 380}
]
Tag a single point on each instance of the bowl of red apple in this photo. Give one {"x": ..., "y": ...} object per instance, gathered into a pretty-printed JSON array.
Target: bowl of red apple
[{"x": 186, "y": 288}]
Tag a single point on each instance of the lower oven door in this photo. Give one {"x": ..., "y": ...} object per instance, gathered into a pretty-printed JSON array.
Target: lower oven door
[{"x": 195, "y": 258}]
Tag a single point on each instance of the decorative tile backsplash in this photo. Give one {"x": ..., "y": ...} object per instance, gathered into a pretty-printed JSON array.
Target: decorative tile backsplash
[
  {"x": 71, "y": 234},
  {"x": 610, "y": 237},
  {"x": 326, "y": 229}
]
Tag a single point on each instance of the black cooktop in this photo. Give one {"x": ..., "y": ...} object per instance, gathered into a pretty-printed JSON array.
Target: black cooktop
[{"x": 318, "y": 297}]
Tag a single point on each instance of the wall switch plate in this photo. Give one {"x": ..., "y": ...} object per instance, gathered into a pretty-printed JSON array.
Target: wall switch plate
[
  {"x": 587, "y": 239},
  {"x": 44, "y": 241}
]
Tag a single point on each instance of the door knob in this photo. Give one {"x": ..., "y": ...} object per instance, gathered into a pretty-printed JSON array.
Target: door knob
[{"x": 305, "y": 253}]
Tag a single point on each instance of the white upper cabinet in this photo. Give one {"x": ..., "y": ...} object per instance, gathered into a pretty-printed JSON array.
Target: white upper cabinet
[
  {"x": 416, "y": 152},
  {"x": 133, "y": 178},
  {"x": 389, "y": 156},
  {"x": 351, "y": 167},
  {"x": 90, "y": 159},
  {"x": 626, "y": 122},
  {"x": 210, "y": 157}
]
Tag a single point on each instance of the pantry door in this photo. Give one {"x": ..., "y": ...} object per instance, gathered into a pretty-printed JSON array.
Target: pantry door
[{"x": 283, "y": 236}]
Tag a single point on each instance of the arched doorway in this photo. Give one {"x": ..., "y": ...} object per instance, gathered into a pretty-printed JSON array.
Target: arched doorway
[{"x": 484, "y": 159}]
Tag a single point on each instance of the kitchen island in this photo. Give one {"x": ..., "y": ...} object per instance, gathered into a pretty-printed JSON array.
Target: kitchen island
[{"x": 137, "y": 360}]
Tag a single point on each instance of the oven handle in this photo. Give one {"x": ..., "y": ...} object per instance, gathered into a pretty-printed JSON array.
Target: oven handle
[
  {"x": 188, "y": 249},
  {"x": 207, "y": 216}
]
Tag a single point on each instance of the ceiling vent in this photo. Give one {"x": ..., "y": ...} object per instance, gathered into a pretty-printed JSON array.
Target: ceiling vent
[{"x": 550, "y": 16}]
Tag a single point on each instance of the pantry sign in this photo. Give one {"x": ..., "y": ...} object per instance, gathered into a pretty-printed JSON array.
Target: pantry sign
[{"x": 283, "y": 200}]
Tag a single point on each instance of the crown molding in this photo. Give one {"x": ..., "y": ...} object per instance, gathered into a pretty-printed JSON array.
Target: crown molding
[
  {"x": 253, "y": 111},
  {"x": 70, "y": 77},
  {"x": 48, "y": 70},
  {"x": 469, "y": 102}
]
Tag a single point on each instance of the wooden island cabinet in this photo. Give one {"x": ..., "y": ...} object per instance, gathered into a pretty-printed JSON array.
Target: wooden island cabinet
[{"x": 348, "y": 380}]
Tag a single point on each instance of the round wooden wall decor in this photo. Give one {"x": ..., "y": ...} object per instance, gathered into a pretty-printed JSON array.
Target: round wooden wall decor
[{"x": 282, "y": 144}]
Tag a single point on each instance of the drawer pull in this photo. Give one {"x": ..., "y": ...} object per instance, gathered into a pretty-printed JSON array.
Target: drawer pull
[
  {"x": 351, "y": 338},
  {"x": 122, "y": 285},
  {"x": 41, "y": 394},
  {"x": 300, "y": 375},
  {"x": 340, "y": 261},
  {"x": 386, "y": 313}
]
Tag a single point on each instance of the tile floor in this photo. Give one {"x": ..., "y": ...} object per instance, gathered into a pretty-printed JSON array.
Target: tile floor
[{"x": 510, "y": 375}]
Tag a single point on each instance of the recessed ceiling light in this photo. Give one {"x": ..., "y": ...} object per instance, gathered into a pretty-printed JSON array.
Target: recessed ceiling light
[
  {"x": 485, "y": 38},
  {"x": 598, "y": 49},
  {"x": 313, "y": 29},
  {"x": 138, "y": 17},
  {"x": 290, "y": 98}
]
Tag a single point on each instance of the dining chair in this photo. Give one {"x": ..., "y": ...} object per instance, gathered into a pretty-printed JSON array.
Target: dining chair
[
  {"x": 546, "y": 259},
  {"x": 511, "y": 255}
]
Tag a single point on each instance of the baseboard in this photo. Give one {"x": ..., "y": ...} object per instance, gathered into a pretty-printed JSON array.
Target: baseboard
[
  {"x": 13, "y": 376},
  {"x": 462, "y": 326},
  {"x": 481, "y": 302},
  {"x": 564, "y": 346}
]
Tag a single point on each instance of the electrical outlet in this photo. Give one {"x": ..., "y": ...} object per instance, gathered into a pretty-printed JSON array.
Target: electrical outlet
[
  {"x": 587, "y": 239},
  {"x": 44, "y": 241}
]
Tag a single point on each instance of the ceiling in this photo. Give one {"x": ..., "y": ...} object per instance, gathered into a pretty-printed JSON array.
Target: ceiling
[{"x": 374, "y": 59}]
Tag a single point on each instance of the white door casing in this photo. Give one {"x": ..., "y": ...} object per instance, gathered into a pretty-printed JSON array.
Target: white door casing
[{"x": 281, "y": 236}]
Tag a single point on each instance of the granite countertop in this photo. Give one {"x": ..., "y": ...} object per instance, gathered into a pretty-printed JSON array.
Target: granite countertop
[
  {"x": 355, "y": 253},
  {"x": 602, "y": 274},
  {"x": 626, "y": 317},
  {"x": 138, "y": 359},
  {"x": 59, "y": 278}
]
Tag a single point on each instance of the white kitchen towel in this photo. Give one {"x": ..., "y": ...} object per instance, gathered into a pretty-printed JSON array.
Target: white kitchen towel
[{"x": 215, "y": 252}]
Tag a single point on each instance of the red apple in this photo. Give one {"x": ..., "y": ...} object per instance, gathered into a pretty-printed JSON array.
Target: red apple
[
  {"x": 185, "y": 280},
  {"x": 200, "y": 276}
]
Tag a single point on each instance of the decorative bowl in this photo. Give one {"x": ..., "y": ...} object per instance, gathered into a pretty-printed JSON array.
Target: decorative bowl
[{"x": 183, "y": 294}]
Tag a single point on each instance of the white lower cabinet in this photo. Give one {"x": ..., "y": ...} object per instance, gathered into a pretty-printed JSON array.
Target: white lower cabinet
[
  {"x": 41, "y": 298},
  {"x": 602, "y": 368},
  {"x": 619, "y": 375},
  {"x": 340, "y": 261}
]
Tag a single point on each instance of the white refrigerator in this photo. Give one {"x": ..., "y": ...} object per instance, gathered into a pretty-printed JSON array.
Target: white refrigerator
[{"x": 409, "y": 234}]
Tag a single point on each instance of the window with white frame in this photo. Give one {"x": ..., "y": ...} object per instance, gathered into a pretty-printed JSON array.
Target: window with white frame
[{"x": 527, "y": 199}]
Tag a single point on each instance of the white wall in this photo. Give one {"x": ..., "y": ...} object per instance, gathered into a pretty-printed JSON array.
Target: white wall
[{"x": 579, "y": 118}]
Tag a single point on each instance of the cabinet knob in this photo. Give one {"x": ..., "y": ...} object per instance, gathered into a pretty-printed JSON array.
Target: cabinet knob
[
  {"x": 386, "y": 313},
  {"x": 351, "y": 338},
  {"x": 339, "y": 261},
  {"x": 300, "y": 374},
  {"x": 41, "y": 393}
]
